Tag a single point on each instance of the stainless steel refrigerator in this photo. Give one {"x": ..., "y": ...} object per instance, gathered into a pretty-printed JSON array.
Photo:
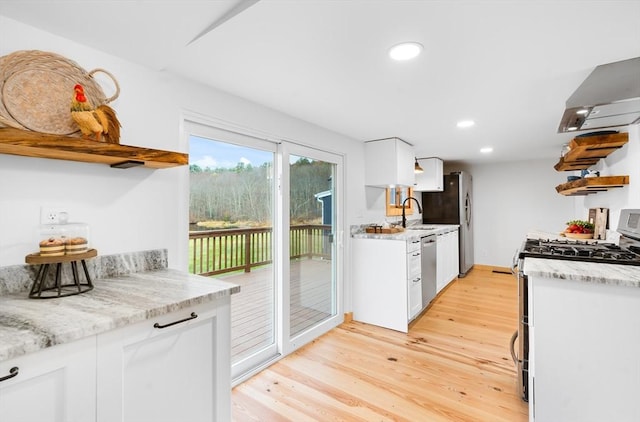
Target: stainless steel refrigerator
[{"x": 453, "y": 206}]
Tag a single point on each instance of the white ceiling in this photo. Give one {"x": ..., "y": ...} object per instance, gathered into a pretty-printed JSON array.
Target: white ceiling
[{"x": 508, "y": 65}]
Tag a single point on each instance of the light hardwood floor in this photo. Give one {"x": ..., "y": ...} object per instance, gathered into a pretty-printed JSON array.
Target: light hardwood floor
[{"x": 453, "y": 365}]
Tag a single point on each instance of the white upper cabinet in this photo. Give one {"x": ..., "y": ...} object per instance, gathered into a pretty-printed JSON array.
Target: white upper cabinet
[
  {"x": 389, "y": 162},
  {"x": 430, "y": 180}
]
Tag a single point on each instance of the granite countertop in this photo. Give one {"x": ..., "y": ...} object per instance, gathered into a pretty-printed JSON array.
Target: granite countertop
[
  {"x": 28, "y": 325},
  {"x": 590, "y": 272},
  {"x": 412, "y": 232}
]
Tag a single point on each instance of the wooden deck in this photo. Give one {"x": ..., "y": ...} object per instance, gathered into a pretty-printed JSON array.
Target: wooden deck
[{"x": 252, "y": 309}]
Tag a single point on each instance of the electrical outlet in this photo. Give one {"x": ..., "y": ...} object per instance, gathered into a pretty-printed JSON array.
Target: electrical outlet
[{"x": 52, "y": 215}]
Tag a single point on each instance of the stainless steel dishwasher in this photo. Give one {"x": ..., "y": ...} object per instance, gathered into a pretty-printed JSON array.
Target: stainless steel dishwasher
[{"x": 428, "y": 250}]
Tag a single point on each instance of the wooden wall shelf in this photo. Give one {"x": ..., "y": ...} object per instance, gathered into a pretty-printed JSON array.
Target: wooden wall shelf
[
  {"x": 34, "y": 144},
  {"x": 590, "y": 185},
  {"x": 587, "y": 151}
]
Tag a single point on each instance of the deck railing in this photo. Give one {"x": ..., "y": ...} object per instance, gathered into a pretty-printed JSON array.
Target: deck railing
[{"x": 219, "y": 251}]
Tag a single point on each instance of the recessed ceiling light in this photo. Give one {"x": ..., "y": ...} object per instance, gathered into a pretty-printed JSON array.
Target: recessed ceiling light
[
  {"x": 405, "y": 51},
  {"x": 572, "y": 128},
  {"x": 465, "y": 123},
  {"x": 486, "y": 150},
  {"x": 583, "y": 111}
]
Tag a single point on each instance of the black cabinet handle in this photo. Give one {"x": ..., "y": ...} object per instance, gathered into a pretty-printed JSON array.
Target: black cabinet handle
[
  {"x": 193, "y": 316},
  {"x": 12, "y": 373}
]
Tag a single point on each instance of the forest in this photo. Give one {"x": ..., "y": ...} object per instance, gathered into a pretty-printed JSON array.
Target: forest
[{"x": 243, "y": 196}]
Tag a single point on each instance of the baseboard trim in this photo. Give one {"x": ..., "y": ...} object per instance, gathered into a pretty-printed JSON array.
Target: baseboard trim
[{"x": 492, "y": 268}]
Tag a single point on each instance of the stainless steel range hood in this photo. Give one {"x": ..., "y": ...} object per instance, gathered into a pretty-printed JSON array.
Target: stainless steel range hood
[{"x": 609, "y": 97}]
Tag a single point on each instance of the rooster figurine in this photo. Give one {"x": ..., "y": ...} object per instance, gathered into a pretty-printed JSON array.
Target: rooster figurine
[{"x": 99, "y": 122}]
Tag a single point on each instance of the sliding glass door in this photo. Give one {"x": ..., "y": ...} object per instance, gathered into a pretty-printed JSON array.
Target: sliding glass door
[{"x": 264, "y": 215}]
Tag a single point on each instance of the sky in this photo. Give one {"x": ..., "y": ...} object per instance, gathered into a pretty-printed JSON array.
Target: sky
[{"x": 213, "y": 154}]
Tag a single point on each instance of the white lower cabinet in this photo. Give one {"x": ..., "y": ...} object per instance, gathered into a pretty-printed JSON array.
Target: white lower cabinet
[
  {"x": 454, "y": 256},
  {"x": 149, "y": 373},
  {"x": 447, "y": 258},
  {"x": 57, "y": 384},
  {"x": 177, "y": 370},
  {"x": 584, "y": 356},
  {"x": 387, "y": 289}
]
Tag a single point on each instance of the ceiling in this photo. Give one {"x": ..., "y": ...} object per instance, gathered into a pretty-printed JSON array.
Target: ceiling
[{"x": 508, "y": 65}]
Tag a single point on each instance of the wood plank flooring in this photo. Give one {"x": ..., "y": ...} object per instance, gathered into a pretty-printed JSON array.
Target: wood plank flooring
[
  {"x": 252, "y": 310},
  {"x": 453, "y": 365}
]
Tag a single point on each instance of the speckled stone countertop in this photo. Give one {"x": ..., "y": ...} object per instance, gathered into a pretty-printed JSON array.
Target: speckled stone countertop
[
  {"x": 590, "y": 272},
  {"x": 412, "y": 232},
  {"x": 136, "y": 289}
]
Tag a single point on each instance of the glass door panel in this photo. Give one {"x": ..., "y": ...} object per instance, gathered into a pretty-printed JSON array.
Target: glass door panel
[
  {"x": 312, "y": 284},
  {"x": 231, "y": 215}
]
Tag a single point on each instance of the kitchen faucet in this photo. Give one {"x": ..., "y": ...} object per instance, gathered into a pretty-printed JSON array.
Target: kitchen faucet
[{"x": 404, "y": 217}]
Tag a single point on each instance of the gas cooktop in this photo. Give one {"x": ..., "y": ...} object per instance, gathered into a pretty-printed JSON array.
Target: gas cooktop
[{"x": 576, "y": 250}]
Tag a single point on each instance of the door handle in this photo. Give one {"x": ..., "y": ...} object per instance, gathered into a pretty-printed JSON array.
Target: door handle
[{"x": 513, "y": 348}]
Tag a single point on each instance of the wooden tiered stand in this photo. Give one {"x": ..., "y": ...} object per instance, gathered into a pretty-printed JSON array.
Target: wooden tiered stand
[{"x": 60, "y": 289}]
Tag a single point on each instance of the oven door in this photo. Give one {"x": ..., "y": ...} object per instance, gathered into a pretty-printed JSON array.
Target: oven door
[{"x": 521, "y": 336}]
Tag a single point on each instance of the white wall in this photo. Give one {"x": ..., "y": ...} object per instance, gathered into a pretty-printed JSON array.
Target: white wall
[
  {"x": 624, "y": 161},
  {"x": 515, "y": 197},
  {"x": 138, "y": 208},
  {"x": 511, "y": 199}
]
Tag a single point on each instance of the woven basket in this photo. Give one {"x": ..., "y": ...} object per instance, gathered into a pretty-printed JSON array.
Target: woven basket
[{"x": 36, "y": 88}]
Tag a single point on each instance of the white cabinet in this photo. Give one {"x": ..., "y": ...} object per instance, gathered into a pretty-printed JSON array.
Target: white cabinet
[
  {"x": 384, "y": 292},
  {"x": 389, "y": 162},
  {"x": 447, "y": 258},
  {"x": 414, "y": 279},
  {"x": 57, "y": 384},
  {"x": 431, "y": 179},
  {"x": 136, "y": 373},
  {"x": 168, "y": 368},
  {"x": 584, "y": 356},
  {"x": 454, "y": 255}
]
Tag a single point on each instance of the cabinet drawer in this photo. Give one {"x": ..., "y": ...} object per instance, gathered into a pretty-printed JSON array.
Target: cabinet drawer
[
  {"x": 413, "y": 245},
  {"x": 414, "y": 260}
]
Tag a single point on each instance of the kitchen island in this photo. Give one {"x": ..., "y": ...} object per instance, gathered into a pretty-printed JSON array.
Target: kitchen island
[
  {"x": 146, "y": 341},
  {"x": 584, "y": 336}
]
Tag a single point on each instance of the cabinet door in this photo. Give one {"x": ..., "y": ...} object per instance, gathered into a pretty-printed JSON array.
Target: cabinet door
[
  {"x": 389, "y": 162},
  {"x": 177, "y": 373},
  {"x": 453, "y": 252},
  {"x": 380, "y": 282},
  {"x": 441, "y": 268},
  {"x": 57, "y": 384},
  {"x": 431, "y": 179}
]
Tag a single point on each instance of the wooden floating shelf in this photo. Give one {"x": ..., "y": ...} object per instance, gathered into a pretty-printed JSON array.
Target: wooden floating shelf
[
  {"x": 35, "y": 144},
  {"x": 587, "y": 151},
  {"x": 590, "y": 185}
]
